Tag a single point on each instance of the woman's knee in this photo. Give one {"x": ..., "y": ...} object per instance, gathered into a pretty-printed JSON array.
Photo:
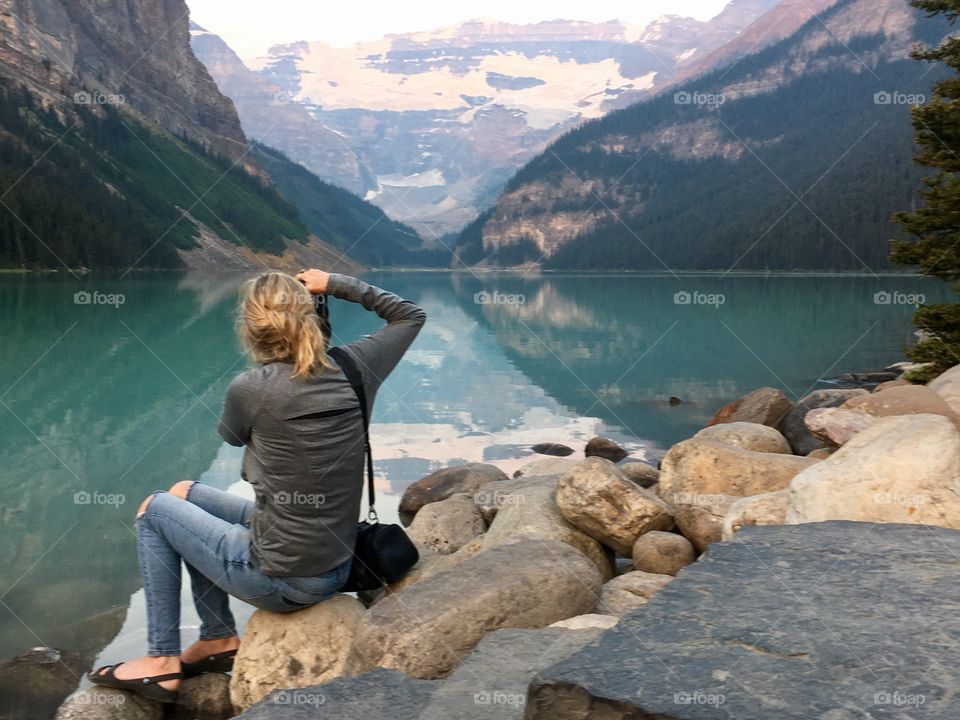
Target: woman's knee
[
  {"x": 145, "y": 504},
  {"x": 181, "y": 489}
]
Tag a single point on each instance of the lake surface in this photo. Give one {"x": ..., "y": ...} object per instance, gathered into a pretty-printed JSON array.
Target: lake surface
[{"x": 102, "y": 402}]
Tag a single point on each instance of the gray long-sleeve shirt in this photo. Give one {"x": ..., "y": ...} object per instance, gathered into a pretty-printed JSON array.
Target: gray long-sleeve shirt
[{"x": 304, "y": 441}]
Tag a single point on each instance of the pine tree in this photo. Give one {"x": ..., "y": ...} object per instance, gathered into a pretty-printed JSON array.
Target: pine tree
[{"x": 935, "y": 227}]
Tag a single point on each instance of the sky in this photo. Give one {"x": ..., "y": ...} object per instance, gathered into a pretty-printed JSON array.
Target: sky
[{"x": 252, "y": 26}]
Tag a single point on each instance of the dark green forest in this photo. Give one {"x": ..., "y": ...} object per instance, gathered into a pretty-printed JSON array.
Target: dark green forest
[
  {"x": 823, "y": 169},
  {"x": 347, "y": 222},
  {"x": 107, "y": 192}
]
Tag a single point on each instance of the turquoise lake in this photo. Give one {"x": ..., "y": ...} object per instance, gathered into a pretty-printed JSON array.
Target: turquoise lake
[{"x": 110, "y": 389}]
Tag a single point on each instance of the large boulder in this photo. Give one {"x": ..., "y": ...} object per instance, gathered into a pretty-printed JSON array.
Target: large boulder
[
  {"x": 947, "y": 386},
  {"x": 599, "y": 499},
  {"x": 795, "y": 430},
  {"x": 837, "y": 426},
  {"x": 764, "y": 406},
  {"x": 206, "y": 697},
  {"x": 492, "y": 681},
  {"x": 532, "y": 512},
  {"x": 630, "y": 591},
  {"x": 426, "y": 629},
  {"x": 644, "y": 475},
  {"x": 832, "y": 621},
  {"x": 294, "y": 650},
  {"x": 747, "y": 436},
  {"x": 765, "y": 509},
  {"x": 902, "y": 469},
  {"x": 34, "y": 683},
  {"x": 545, "y": 468},
  {"x": 700, "y": 517},
  {"x": 662, "y": 553},
  {"x": 604, "y": 448},
  {"x": 443, "y": 483},
  {"x": 707, "y": 467},
  {"x": 447, "y": 525},
  {"x": 905, "y": 400},
  {"x": 431, "y": 563},
  {"x": 100, "y": 703},
  {"x": 377, "y": 694}
]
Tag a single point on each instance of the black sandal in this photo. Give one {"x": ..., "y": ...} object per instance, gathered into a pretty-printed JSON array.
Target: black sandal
[
  {"x": 219, "y": 663},
  {"x": 145, "y": 686}
]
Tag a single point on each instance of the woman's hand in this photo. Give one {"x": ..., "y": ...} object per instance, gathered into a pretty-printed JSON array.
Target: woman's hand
[{"x": 314, "y": 280}]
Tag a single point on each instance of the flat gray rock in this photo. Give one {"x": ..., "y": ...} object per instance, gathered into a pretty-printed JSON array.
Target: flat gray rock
[
  {"x": 826, "y": 621},
  {"x": 379, "y": 693},
  {"x": 492, "y": 682}
]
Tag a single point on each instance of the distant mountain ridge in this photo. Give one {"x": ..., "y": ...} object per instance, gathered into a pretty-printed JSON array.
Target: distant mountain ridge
[
  {"x": 119, "y": 151},
  {"x": 790, "y": 158},
  {"x": 430, "y": 125}
]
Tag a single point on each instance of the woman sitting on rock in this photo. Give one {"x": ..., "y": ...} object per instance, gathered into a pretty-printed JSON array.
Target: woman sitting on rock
[{"x": 300, "y": 422}]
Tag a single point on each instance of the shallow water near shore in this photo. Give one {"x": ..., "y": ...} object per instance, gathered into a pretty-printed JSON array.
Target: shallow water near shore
[{"x": 110, "y": 388}]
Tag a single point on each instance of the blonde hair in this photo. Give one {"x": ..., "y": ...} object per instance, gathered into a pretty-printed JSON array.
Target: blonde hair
[{"x": 277, "y": 322}]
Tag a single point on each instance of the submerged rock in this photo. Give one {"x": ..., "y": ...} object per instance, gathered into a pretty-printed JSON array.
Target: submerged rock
[
  {"x": 605, "y": 448},
  {"x": 789, "y": 622},
  {"x": 426, "y": 629},
  {"x": 294, "y": 650},
  {"x": 555, "y": 449},
  {"x": 36, "y": 681}
]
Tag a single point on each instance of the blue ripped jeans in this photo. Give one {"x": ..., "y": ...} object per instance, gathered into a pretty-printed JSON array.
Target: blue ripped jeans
[{"x": 209, "y": 532}]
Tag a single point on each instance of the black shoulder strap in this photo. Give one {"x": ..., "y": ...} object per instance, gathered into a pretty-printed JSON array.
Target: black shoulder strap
[{"x": 352, "y": 372}]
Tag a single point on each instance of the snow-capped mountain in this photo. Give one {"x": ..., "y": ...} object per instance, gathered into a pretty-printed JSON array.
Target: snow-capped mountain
[{"x": 430, "y": 125}]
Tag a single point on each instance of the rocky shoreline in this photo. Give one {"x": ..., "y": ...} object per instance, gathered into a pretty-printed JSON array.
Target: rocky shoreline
[{"x": 789, "y": 560}]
